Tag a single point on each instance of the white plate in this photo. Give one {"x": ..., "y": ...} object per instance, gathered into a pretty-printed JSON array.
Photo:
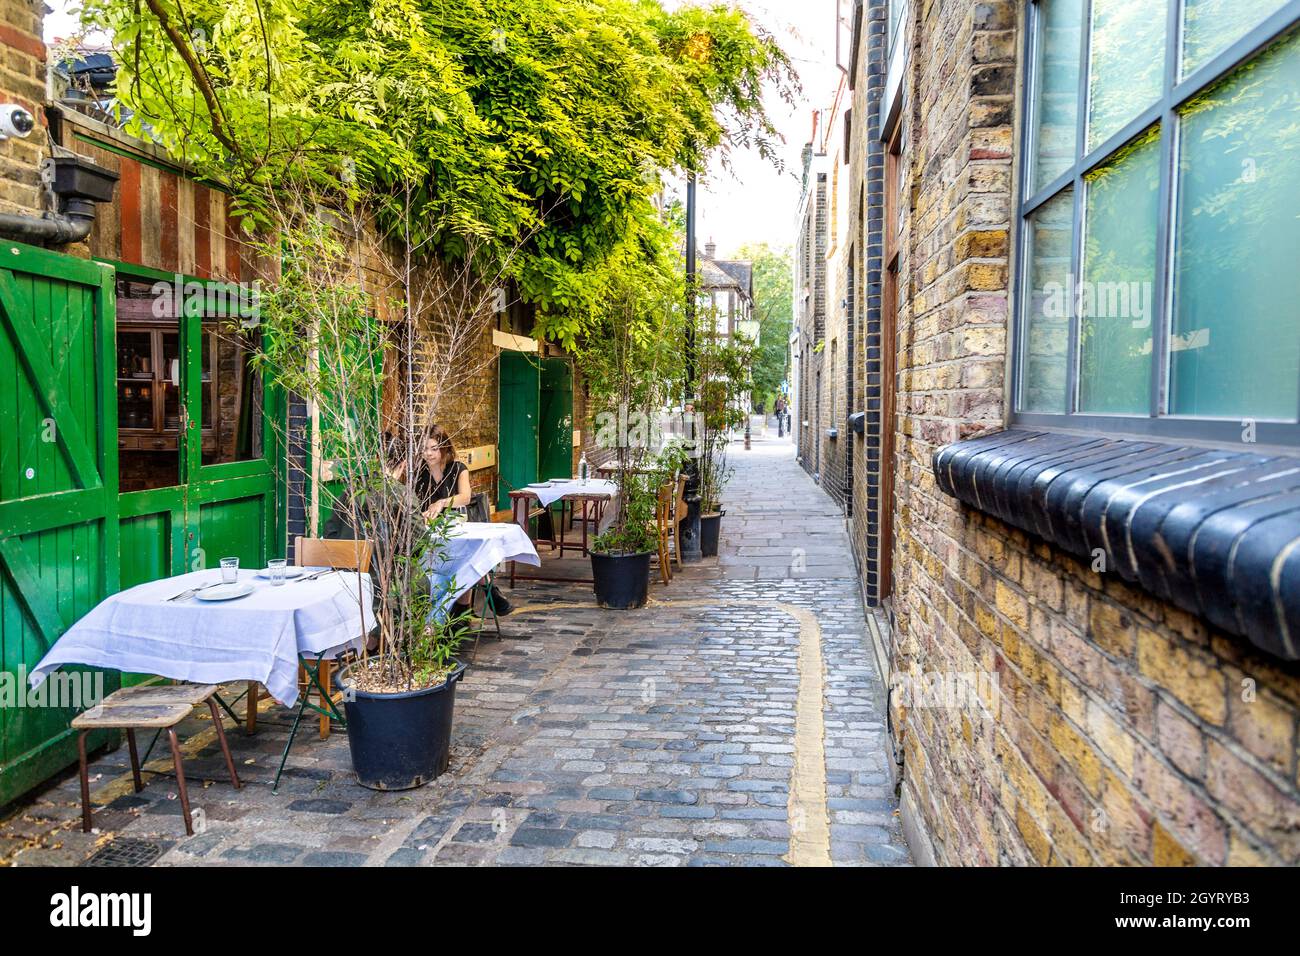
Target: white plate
[
  {"x": 291, "y": 571},
  {"x": 225, "y": 592}
]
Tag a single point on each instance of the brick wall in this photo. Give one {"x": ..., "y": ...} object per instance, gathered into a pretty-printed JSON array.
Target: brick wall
[
  {"x": 865, "y": 210},
  {"x": 836, "y": 469},
  {"x": 22, "y": 81},
  {"x": 1114, "y": 729},
  {"x": 810, "y": 321}
]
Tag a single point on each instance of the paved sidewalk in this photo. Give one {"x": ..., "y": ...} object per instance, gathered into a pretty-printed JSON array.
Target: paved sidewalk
[{"x": 737, "y": 721}]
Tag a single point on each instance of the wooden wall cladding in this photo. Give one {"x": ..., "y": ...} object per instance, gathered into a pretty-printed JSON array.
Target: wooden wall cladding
[{"x": 160, "y": 218}]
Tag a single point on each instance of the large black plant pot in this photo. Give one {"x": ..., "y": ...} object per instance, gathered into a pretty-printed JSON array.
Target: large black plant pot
[
  {"x": 621, "y": 581},
  {"x": 710, "y": 530},
  {"x": 400, "y": 741}
]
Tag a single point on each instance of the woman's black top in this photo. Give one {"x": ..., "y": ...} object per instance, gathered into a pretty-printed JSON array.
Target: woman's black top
[{"x": 428, "y": 490}]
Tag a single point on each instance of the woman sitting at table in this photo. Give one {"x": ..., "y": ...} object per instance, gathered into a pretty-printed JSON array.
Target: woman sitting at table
[{"x": 442, "y": 482}]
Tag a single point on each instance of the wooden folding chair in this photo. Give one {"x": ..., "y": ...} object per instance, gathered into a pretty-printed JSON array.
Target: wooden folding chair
[
  {"x": 678, "y": 516},
  {"x": 344, "y": 554},
  {"x": 662, "y": 528}
]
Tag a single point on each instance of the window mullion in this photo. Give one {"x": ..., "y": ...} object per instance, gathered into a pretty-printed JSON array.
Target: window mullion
[
  {"x": 1020, "y": 265},
  {"x": 1162, "y": 300},
  {"x": 1050, "y": 192},
  {"x": 1076, "y": 251}
]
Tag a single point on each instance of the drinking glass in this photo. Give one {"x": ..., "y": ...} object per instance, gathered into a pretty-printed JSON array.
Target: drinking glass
[
  {"x": 229, "y": 570},
  {"x": 276, "y": 567}
]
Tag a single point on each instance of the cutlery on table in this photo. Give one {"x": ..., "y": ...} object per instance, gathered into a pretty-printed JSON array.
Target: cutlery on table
[
  {"x": 315, "y": 575},
  {"x": 191, "y": 592}
]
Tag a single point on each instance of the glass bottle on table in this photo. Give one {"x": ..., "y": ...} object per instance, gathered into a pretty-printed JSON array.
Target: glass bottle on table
[{"x": 583, "y": 469}]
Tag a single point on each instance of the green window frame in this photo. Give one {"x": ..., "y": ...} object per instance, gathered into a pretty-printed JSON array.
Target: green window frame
[{"x": 1122, "y": 154}]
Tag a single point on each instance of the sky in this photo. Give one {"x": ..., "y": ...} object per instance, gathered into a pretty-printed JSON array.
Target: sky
[{"x": 751, "y": 201}]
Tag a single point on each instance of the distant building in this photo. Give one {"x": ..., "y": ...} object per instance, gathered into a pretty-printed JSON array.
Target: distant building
[
  {"x": 823, "y": 343},
  {"x": 727, "y": 286}
]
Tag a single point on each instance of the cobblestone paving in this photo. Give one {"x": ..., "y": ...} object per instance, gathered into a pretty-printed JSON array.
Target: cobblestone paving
[{"x": 659, "y": 738}]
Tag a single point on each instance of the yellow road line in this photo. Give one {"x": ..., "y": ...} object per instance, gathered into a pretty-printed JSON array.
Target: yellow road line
[{"x": 810, "y": 828}]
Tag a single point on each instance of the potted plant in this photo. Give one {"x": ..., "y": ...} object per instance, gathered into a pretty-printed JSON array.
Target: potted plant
[
  {"x": 620, "y": 556},
  {"x": 632, "y": 364},
  {"x": 322, "y": 340},
  {"x": 401, "y": 706}
]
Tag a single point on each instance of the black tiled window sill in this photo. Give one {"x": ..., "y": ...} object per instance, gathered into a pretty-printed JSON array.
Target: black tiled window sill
[{"x": 1216, "y": 532}]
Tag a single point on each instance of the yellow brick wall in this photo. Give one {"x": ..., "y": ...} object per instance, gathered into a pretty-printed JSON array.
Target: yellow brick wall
[
  {"x": 1114, "y": 729},
  {"x": 22, "y": 81}
]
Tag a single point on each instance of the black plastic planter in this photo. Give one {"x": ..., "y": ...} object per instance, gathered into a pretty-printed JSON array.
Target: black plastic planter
[
  {"x": 710, "y": 530},
  {"x": 400, "y": 741},
  {"x": 621, "y": 581}
]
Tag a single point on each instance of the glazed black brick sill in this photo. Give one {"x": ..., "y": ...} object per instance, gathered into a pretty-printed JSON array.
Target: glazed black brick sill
[{"x": 1216, "y": 532}]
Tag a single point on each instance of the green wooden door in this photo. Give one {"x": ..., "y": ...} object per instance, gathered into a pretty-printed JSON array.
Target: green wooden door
[
  {"x": 555, "y": 420},
  {"x": 58, "y": 489},
  {"x": 520, "y": 398}
]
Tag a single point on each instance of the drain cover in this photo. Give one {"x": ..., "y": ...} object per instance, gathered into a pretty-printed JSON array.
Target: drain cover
[{"x": 127, "y": 853}]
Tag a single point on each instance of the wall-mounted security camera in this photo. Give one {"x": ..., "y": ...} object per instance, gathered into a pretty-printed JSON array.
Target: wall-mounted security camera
[{"x": 15, "y": 122}]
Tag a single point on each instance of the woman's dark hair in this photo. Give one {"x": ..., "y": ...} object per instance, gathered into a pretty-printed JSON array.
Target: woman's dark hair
[{"x": 442, "y": 441}]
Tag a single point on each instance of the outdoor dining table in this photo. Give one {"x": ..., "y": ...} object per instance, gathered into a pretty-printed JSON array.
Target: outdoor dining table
[
  {"x": 262, "y": 636},
  {"x": 591, "y": 493},
  {"x": 471, "y": 552}
]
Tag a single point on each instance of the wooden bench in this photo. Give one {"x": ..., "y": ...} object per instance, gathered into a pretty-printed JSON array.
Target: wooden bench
[{"x": 149, "y": 707}]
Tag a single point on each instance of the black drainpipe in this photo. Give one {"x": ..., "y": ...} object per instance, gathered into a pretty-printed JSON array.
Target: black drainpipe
[{"x": 78, "y": 185}]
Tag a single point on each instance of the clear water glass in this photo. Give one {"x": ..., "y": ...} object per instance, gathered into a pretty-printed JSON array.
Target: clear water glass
[
  {"x": 229, "y": 570},
  {"x": 276, "y": 568}
]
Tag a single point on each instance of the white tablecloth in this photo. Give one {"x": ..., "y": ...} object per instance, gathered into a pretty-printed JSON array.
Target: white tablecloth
[
  {"x": 550, "y": 492},
  {"x": 257, "y": 637},
  {"x": 476, "y": 548}
]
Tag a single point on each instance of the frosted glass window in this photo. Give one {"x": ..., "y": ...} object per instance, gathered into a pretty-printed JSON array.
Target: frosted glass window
[
  {"x": 1235, "y": 343},
  {"x": 1211, "y": 26},
  {"x": 1116, "y": 295},
  {"x": 1056, "y": 86},
  {"x": 1128, "y": 58},
  {"x": 1048, "y": 239}
]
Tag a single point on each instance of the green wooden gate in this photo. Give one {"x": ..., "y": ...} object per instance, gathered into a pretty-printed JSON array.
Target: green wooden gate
[
  {"x": 68, "y": 537},
  {"x": 58, "y": 485},
  {"x": 536, "y": 421}
]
